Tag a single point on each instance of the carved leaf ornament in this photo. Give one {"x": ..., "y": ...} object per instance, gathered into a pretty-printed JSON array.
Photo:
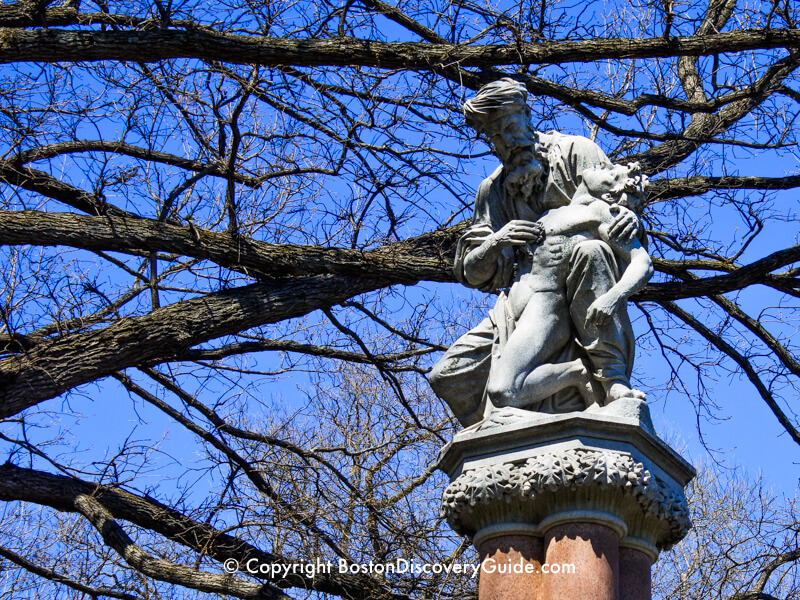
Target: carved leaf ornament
[{"x": 569, "y": 469}]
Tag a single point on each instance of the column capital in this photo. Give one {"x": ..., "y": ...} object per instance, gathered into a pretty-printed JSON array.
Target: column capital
[{"x": 531, "y": 473}]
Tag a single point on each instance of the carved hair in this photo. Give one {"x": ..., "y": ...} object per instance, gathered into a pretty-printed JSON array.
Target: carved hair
[
  {"x": 637, "y": 182},
  {"x": 501, "y": 97},
  {"x": 633, "y": 187},
  {"x": 636, "y": 186}
]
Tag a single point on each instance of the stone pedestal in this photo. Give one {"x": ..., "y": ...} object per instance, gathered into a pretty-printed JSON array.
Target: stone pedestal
[{"x": 597, "y": 491}]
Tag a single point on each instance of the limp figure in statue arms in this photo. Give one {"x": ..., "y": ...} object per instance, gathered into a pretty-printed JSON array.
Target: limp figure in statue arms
[{"x": 540, "y": 307}]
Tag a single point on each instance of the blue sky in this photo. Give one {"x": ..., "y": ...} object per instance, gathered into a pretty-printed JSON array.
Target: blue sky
[{"x": 742, "y": 434}]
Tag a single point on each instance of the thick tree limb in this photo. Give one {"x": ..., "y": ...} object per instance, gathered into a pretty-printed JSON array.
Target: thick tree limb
[
  {"x": 422, "y": 258},
  {"x": 115, "y": 537},
  {"x": 784, "y": 558},
  {"x": 667, "y": 189},
  {"x": 738, "y": 278},
  {"x": 399, "y": 17},
  {"x": 45, "y": 184},
  {"x": 56, "y": 45},
  {"x": 573, "y": 96},
  {"x": 567, "y": 94},
  {"x": 60, "y": 492},
  {"x": 425, "y": 258},
  {"x": 704, "y": 126},
  {"x": 53, "y": 368}
]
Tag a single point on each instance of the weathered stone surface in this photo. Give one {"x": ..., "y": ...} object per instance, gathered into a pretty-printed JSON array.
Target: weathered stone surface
[
  {"x": 579, "y": 467},
  {"x": 568, "y": 471}
]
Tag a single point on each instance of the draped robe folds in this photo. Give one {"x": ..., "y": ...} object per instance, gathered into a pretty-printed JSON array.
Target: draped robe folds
[{"x": 461, "y": 375}]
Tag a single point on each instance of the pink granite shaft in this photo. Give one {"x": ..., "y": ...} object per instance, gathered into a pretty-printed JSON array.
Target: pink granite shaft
[
  {"x": 593, "y": 549},
  {"x": 511, "y": 568}
]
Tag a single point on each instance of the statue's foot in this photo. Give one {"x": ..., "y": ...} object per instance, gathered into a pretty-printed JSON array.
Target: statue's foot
[
  {"x": 620, "y": 390},
  {"x": 591, "y": 391}
]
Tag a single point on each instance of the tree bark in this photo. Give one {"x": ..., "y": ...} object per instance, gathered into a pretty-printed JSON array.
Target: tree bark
[
  {"x": 58, "y": 45},
  {"x": 425, "y": 258},
  {"x": 52, "y": 368},
  {"x": 61, "y": 493}
]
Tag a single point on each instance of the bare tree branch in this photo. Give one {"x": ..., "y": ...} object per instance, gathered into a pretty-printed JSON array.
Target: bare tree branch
[
  {"x": 740, "y": 360},
  {"x": 51, "y": 369},
  {"x": 423, "y": 258},
  {"x": 55, "y": 45},
  {"x": 62, "y": 493},
  {"x": 52, "y": 575}
]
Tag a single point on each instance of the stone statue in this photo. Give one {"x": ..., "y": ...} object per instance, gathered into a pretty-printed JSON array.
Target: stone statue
[{"x": 556, "y": 235}]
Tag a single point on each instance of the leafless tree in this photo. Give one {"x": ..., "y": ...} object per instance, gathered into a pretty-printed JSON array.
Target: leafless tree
[
  {"x": 234, "y": 222},
  {"x": 745, "y": 543}
]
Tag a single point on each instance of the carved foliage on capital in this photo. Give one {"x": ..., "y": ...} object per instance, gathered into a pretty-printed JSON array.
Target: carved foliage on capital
[
  {"x": 491, "y": 483},
  {"x": 569, "y": 469}
]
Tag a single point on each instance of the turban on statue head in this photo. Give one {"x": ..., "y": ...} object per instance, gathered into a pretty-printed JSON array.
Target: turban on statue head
[{"x": 501, "y": 97}]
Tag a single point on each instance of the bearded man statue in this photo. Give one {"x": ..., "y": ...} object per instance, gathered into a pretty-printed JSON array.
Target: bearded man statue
[{"x": 506, "y": 250}]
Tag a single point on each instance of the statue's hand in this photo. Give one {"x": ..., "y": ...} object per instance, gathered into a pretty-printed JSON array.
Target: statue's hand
[
  {"x": 602, "y": 308},
  {"x": 625, "y": 225},
  {"x": 477, "y": 234},
  {"x": 519, "y": 233}
]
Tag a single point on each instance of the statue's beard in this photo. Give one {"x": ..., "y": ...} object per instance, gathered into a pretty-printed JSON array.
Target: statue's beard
[{"x": 526, "y": 180}]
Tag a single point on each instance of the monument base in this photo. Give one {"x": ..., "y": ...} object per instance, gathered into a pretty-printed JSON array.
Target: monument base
[
  {"x": 586, "y": 500},
  {"x": 512, "y": 568}
]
